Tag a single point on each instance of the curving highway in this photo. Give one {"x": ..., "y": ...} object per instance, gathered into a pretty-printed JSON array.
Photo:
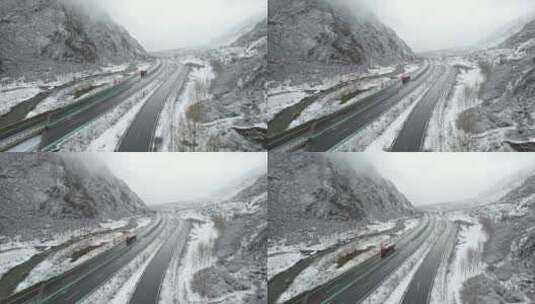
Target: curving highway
[
  {"x": 326, "y": 133},
  {"x": 421, "y": 285},
  {"x": 148, "y": 288},
  {"x": 140, "y": 134},
  {"x": 411, "y": 138},
  {"x": 360, "y": 281},
  {"x": 80, "y": 281}
]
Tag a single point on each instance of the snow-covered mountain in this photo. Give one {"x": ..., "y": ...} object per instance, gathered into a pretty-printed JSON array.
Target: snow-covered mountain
[
  {"x": 311, "y": 191},
  {"x": 507, "y": 91},
  {"x": 509, "y": 251},
  {"x": 238, "y": 90},
  {"x": 240, "y": 249},
  {"x": 307, "y": 35},
  {"x": 59, "y": 35},
  {"x": 46, "y": 191},
  {"x": 504, "y": 32}
]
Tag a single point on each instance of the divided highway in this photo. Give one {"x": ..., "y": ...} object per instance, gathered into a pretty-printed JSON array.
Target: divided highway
[
  {"x": 140, "y": 134},
  {"x": 58, "y": 123},
  {"x": 148, "y": 288},
  {"x": 411, "y": 138},
  {"x": 357, "y": 283},
  {"x": 419, "y": 290},
  {"x": 326, "y": 133},
  {"x": 80, "y": 281},
  {"x": 62, "y": 125}
]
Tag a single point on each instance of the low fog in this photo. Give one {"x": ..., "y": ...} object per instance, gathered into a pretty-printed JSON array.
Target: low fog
[
  {"x": 171, "y": 177},
  {"x": 432, "y": 25},
  {"x": 171, "y": 24},
  {"x": 431, "y": 178}
]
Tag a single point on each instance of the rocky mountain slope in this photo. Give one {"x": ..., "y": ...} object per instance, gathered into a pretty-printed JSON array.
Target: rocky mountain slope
[
  {"x": 51, "y": 192},
  {"x": 506, "y": 94},
  {"x": 311, "y": 192},
  {"x": 325, "y": 36},
  {"x": 509, "y": 251},
  {"x": 238, "y": 90},
  {"x": 54, "y": 36},
  {"x": 240, "y": 249}
]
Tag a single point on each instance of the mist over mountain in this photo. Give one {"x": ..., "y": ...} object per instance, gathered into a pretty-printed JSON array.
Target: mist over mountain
[
  {"x": 49, "y": 191},
  {"x": 43, "y": 36},
  {"x": 313, "y": 191},
  {"x": 321, "y": 34}
]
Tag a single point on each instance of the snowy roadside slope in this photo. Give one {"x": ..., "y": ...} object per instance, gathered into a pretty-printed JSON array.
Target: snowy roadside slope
[{"x": 224, "y": 261}]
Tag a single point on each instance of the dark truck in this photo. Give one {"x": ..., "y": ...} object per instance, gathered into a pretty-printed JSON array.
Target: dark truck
[
  {"x": 130, "y": 239},
  {"x": 386, "y": 249},
  {"x": 405, "y": 78}
]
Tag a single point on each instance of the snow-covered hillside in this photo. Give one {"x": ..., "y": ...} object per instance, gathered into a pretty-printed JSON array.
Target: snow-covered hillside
[
  {"x": 60, "y": 36},
  {"x": 313, "y": 195},
  {"x": 321, "y": 38},
  {"x": 225, "y": 258},
  {"x": 43, "y": 193}
]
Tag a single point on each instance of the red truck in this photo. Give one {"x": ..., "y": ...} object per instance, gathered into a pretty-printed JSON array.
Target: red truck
[
  {"x": 386, "y": 249},
  {"x": 405, "y": 77}
]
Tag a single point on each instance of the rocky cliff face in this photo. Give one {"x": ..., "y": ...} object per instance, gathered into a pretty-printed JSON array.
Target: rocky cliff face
[
  {"x": 238, "y": 89},
  {"x": 41, "y": 191},
  {"x": 508, "y": 88},
  {"x": 307, "y": 35},
  {"x": 509, "y": 250},
  {"x": 240, "y": 249},
  {"x": 56, "y": 35},
  {"x": 312, "y": 191}
]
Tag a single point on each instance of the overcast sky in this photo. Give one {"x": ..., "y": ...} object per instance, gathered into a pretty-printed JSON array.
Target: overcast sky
[
  {"x": 170, "y": 24},
  {"x": 168, "y": 177},
  {"x": 437, "y": 24},
  {"x": 429, "y": 178}
]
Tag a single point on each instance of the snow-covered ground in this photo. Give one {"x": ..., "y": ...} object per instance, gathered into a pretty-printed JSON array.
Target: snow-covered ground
[
  {"x": 174, "y": 125},
  {"x": 198, "y": 255},
  {"x": 467, "y": 260},
  {"x": 60, "y": 261},
  {"x": 12, "y": 97},
  {"x": 443, "y": 132},
  {"x": 66, "y": 96},
  {"x": 14, "y": 257}
]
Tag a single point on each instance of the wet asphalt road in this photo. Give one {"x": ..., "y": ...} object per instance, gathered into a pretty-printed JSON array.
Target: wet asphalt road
[
  {"x": 411, "y": 138},
  {"x": 421, "y": 285},
  {"x": 356, "y": 284},
  {"x": 368, "y": 112},
  {"x": 148, "y": 288},
  {"x": 140, "y": 135},
  {"x": 62, "y": 124},
  {"x": 79, "y": 282}
]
